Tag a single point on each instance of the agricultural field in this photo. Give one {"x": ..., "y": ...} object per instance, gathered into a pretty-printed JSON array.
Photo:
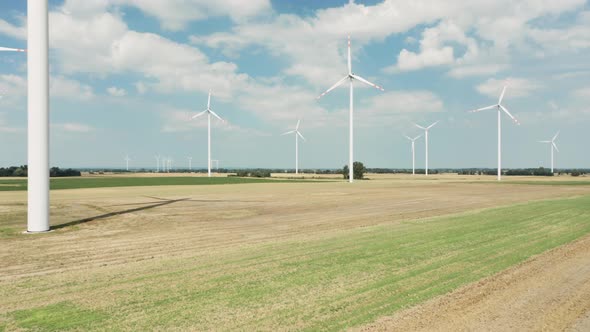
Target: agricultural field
[
  {"x": 390, "y": 253},
  {"x": 134, "y": 181}
]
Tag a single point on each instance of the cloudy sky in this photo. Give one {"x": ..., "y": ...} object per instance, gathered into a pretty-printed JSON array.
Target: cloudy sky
[{"x": 126, "y": 76}]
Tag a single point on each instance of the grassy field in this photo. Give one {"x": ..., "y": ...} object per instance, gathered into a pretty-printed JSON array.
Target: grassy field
[
  {"x": 342, "y": 279},
  {"x": 110, "y": 182}
]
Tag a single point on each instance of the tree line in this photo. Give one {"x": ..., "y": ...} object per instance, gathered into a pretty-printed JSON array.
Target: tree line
[{"x": 22, "y": 171}]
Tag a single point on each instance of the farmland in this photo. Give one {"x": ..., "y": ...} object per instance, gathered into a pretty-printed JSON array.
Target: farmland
[
  {"x": 120, "y": 181},
  {"x": 282, "y": 255}
]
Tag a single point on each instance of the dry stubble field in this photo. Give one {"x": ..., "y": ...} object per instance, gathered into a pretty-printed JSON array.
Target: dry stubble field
[{"x": 282, "y": 256}]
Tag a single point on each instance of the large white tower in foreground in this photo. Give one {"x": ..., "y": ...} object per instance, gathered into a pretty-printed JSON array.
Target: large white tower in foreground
[{"x": 38, "y": 116}]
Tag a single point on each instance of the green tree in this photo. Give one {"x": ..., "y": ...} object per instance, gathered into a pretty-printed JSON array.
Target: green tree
[{"x": 358, "y": 170}]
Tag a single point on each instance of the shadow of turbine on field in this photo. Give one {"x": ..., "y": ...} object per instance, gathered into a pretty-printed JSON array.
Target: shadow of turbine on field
[
  {"x": 117, "y": 213},
  {"x": 190, "y": 200}
]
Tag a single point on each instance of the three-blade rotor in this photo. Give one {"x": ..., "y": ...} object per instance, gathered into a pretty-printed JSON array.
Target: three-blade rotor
[
  {"x": 552, "y": 141},
  {"x": 499, "y": 106},
  {"x": 351, "y": 76},
  {"x": 412, "y": 139},
  {"x": 295, "y": 131},
  {"x": 208, "y": 110},
  {"x": 426, "y": 128}
]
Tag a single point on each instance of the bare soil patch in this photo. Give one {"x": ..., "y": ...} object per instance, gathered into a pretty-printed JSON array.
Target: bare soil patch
[{"x": 550, "y": 292}]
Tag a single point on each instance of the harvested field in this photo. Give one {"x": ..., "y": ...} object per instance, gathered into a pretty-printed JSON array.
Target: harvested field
[{"x": 268, "y": 255}]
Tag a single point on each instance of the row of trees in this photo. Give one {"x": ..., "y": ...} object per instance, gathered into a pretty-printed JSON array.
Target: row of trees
[
  {"x": 259, "y": 173},
  {"x": 541, "y": 171},
  {"x": 22, "y": 171}
]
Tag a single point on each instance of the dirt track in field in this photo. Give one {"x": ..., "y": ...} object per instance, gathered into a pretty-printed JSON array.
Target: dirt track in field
[{"x": 550, "y": 292}]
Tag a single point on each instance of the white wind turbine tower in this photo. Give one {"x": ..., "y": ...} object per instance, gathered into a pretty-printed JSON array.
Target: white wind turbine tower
[
  {"x": 209, "y": 113},
  {"x": 127, "y": 162},
  {"x": 297, "y": 134},
  {"x": 157, "y": 163},
  {"x": 38, "y": 114},
  {"x": 350, "y": 77},
  {"x": 426, "y": 129},
  {"x": 500, "y": 108},
  {"x": 190, "y": 163},
  {"x": 552, "y": 146},
  {"x": 413, "y": 140}
]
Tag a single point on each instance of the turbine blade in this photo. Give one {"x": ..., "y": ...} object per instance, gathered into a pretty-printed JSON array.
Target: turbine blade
[
  {"x": 356, "y": 77},
  {"x": 544, "y": 141},
  {"x": 555, "y": 146},
  {"x": 7, "y": 49},
  {"x": 198, "y": 115},
  {"x": 432, "y": 125},
  {"x": 510, "y": 115},
  {"x": 288, "y": 132},
  {"x": 349, "y": 60},
  {"x": 215, "y": 115},
  {"x": 419, "y": 126},
  {"x": 555, "y": 137},
  {"x": 415, "y": 138},
  {"x": 483, "y": 108},
  {"x": 209, "y": 100},
  {"x": 502, "y": 95},
  {"x": 408, "y": 137},
  {"x": 297, "y": 127},
  {"x": 298, "y": 133},
  {"x": 333, "y": 87}
]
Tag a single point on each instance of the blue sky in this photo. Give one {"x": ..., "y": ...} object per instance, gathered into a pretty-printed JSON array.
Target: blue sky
[{"x": 127, "y": 75}]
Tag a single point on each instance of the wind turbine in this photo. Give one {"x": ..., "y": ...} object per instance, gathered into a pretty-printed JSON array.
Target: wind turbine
[
  {"x": 426, "y": 129},
  {"x": 157, "y": 163},
  {"x": 413, "y": 140},
  {"x": 190, "y": 163},
  {"x": 127, "y": 162},
  {"x": 209, "y": 113},
  {"x": 552, "y": 146},
  {"x": 500, "y": 108},
  {"x": 350, "y": 77},
  {"x": 297, "y": 134},
  {"x": 168, "y": 162}
]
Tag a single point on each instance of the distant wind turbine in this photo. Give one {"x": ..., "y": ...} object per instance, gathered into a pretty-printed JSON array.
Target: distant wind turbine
[
  {"x": 209, "y": 113},
  {"x": 190, "y": 163},
  {"x": 350, "y": 77},
  {"x": 413, "y": 140},
  {"x": 552, "y": 146},
  {"x": 157, "y": 163},
  {"x": 297, "y": 133},
  {"x": 127, "y": 162},
  {"x": 426, "y": 129},
  {"x": 500, "y": 108}
]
